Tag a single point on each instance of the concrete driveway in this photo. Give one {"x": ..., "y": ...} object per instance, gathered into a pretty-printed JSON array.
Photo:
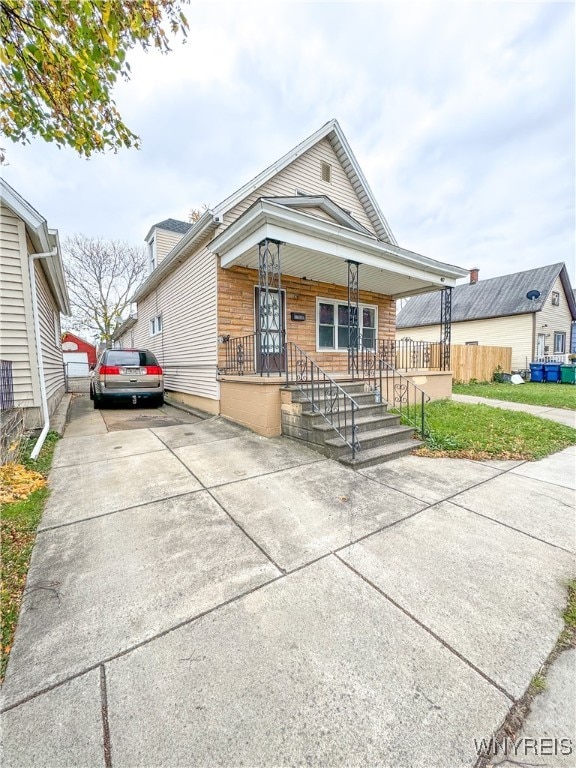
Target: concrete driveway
[{"x": 201, "y": 596}]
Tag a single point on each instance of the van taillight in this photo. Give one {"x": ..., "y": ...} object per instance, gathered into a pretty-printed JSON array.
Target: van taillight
[
  {"x": 154, "y": 370},
  {"x": 109, "y": 370}
]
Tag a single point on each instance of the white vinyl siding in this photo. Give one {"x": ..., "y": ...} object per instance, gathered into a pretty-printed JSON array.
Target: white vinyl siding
[
  {"x": 165, "y": 241},
  {"x": 52, "y": 358},
  {"x": 305, "y": 173},
  {"x": 187, "y": 346},
  {"x": 15, "y": 310},
  {"x": 554, "y": 319},
  {"x": 514, "y": 331}
]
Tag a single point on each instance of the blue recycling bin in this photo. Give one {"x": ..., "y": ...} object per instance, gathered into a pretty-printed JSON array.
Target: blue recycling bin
[
  {"x": 552, "y": 372},
  {"x": 536, "y": 372}
]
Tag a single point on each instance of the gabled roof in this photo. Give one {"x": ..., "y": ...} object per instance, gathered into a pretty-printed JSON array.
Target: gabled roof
[
  {"x": 211, "y": 219},
  {"x": 43, "y": 239},
  {"x": 495, "y": 297},
  {"x": 78, "y": 338},
  {"x": 331, "y": 131},
  {"x": 171, "y": 225}
]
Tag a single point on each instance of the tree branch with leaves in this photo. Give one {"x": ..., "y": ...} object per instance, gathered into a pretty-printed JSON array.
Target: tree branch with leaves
[
  {"x": 60, "y": 60},
  {"x": 101, "y": 276}
]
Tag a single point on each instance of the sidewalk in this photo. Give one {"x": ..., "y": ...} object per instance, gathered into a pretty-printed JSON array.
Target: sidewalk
[
  {"x": 199, "y": 596},
  {"x": 560, "y": 415}
]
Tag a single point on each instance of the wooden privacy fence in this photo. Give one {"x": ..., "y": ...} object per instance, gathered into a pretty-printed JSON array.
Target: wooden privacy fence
[{"x": 470, "y": 361}]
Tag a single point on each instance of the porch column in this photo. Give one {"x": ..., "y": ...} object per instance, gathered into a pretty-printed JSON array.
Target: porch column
[
  {"x": 445, "y": 327},
  {"x": 270, "y": 331},
  {"x": 353, "y": 317}
]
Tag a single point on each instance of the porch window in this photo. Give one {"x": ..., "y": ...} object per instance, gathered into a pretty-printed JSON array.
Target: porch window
[
  {"x": 559, "y": 343},
  {"x": 332, "y": 325}
]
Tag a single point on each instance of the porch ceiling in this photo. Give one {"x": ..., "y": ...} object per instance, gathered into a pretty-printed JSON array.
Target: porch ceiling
[{"x": 318, "y": 250}]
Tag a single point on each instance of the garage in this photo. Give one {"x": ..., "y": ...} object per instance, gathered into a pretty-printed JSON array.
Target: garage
[{"x": 76, "y": 364}]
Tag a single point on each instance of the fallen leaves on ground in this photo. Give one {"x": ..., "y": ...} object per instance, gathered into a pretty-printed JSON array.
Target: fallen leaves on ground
[
  {"x": 17, "y": 482},
  {"x": 471, "y": 454}
]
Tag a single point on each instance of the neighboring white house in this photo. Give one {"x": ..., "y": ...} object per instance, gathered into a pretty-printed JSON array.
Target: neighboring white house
[
  {"x": 32, "y": 296},
  {"x": 497, "y": 312}
]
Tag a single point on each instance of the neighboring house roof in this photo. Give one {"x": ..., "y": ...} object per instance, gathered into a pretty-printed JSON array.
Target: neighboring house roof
[
  {"x": 44, "y": 241},
  {"x": 171, "y": 225},
  {"x": 125, "y": 326},
  {"x": 495, "y": 297},
  {"x": 212, "y": 218}
]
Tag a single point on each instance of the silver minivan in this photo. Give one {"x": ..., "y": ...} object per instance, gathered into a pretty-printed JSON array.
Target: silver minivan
[{"x": 127, "y": 375}]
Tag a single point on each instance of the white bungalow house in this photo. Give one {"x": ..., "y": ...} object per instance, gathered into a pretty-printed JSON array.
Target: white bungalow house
[
  {"x": 32, "y": 296},
  {"x": 292, "y": 277}
]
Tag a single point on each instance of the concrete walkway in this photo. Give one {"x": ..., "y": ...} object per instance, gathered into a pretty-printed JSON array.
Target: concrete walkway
[
  {"x": 201, "y": 596},
  {"x": 560, "y": 415}
]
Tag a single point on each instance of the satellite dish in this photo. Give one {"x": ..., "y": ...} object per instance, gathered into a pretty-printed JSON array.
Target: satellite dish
[{"x": 533, "y": 295}]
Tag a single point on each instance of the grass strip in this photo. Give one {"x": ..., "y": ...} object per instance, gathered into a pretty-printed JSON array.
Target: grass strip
[
  {"x": 547, "y": 395},
  {"x": 18, "y": 524},
  {"x": 479, "y": 432}
]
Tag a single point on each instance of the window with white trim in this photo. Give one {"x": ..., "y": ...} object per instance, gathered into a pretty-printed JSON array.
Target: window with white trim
[
  {"x": 152, "y": 260},
  {"x": 156, "y": 325},
  {"x": 555, "y": 299},
  {"x": 559, "y": 343},
  {"x": 332, "y": 332}
]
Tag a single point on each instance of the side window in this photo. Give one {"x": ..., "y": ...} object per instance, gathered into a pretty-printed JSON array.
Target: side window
[
  {"x": 156, "y": 325},
  {"x": 555, "y": 298}
]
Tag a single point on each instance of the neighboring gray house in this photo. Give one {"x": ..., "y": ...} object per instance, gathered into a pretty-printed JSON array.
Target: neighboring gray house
[
  {"x": 32, "y": 296},
  {"x": 497, "y": 312}
]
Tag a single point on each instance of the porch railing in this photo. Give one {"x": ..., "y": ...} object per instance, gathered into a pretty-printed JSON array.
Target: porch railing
[
  {"x": 406, "y": 354},
  {"x": 327, "y": 397},
  {"x": 391, "y": 387},
  {"x": 402, "y": 355},
  {"x": 6, "y": 385}
]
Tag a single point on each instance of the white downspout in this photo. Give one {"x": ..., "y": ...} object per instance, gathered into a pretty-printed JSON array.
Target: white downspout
[{"x": 43, "y": 397}]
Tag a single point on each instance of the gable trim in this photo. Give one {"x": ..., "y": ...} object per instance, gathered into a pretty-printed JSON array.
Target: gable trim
[{"x": 334, "y": 134}]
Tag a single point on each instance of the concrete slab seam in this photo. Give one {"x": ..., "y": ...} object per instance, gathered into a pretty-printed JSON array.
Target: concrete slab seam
[
  {"x": 136, "y": 646},
  {"x": 100, "y": 461},
  {"x": 115, "y": 511},
  {"x": 105, "y": 722},
  {"x": 248, "y": 536},
  {"x": 511, "y": 527},
  {"x": 430, "y": 632}
]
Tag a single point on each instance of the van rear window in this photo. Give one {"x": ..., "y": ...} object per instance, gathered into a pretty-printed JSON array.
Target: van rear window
[{"x": 130, "y": 357}]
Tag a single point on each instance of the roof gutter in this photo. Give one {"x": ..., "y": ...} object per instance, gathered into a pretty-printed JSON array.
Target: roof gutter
[
  {"x": 35, "y": 314},
  {"x": 207, "y": 221}
]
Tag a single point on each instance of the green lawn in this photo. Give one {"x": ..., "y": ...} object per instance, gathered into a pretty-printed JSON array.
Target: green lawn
[
  {"x": 18, "y": 529},
  {"x": 482, "y": 432},
  {"x": 551, "y": 395}
]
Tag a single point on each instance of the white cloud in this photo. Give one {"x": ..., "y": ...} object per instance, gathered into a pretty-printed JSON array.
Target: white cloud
[{"x": 461, "y": 115}]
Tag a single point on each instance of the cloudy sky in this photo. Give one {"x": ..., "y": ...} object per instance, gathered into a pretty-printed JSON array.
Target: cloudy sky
[{"x": 461, "y": 115}]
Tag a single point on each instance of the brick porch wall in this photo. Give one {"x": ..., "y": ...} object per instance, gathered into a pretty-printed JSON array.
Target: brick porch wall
[{"x": 236, "y": 311}]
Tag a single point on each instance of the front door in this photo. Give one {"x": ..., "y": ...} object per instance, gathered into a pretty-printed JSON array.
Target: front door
[
  {"x": 269, "y": 331},
  {"x": 540, "y": 345}
]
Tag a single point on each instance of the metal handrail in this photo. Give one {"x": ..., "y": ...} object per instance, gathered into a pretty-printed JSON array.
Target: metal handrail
[
  {"x": 403, "y": 396},
  {"x": 327, "y": 397}
]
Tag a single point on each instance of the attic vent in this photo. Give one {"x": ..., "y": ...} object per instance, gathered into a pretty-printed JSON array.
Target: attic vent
[{"x": 326, "y": 172}]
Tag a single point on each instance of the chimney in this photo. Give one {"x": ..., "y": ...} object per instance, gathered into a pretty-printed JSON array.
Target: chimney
[{"x": 474, "y": 275}]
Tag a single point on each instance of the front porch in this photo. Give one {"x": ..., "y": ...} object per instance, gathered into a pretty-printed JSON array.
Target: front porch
[{"x": 306, "y": 305}]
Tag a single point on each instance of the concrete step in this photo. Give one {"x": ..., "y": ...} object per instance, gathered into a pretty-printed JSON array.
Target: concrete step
[
  {"x": 368, "y": 409},
  {"x": 364, "y": 423},
  {"x": 380, "y": 454},
  {"x": 358, "y": 389},
  {"x": 373, "y": 438}
]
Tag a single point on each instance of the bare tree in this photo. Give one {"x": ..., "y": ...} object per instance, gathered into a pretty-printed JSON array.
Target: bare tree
[
  {"x": 101, "y": 275},
  {"x": 195, "y": 213}
]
